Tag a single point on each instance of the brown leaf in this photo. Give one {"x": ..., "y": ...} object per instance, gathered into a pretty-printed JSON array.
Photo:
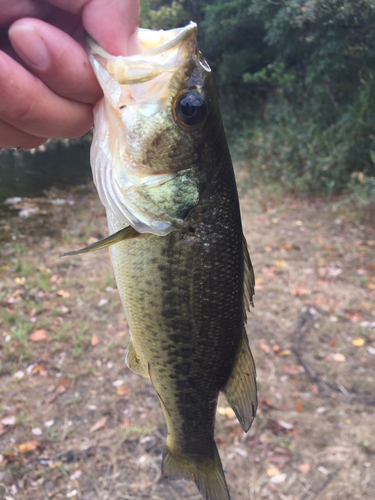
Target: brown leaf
[
  {"x": 29, "y": 446},
  {"x": 276, "y": 348},
  {"x": 279, "y": 460},
  {"x": 264, "y": 347},
  {"x": 63, "y": 385},
  {"x": 125, "y": 423},
  {"x": 63, "y": 293},
  {"x": 94, "y": 340},
  {"x": 338, "y": 357},
  {"x": 298, "y": 407},
  {"x": 301, "y": 290},
  {"x": 99, "y": 424},
  {"x": 292, "y": 369},
  {"x": 39, "y": 369},
  {"x": 275, "y": 427},
  {"x": 122, "y": 390},
  {"x": 272, "y": 471},
  {"x": 38, "y": 335},
  {"x": 304, "y": 468}
]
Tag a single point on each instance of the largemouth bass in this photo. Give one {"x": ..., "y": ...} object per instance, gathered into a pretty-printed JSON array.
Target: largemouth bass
[{"x": 162, "y": 169}]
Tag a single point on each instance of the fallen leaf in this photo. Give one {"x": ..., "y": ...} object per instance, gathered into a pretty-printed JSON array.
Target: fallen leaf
[
  {"x": 2, "y": 430},
  {"x": 125, "y": 423},
  {"x": 8, "y": 420},
  {"x": 273, "y": 471},
  {"x": 95, "y": 340},
  {"x": 63, "y": 385},
  {"x": 338, "y": 357},
  {"x": 301, "y": 290},
  {"x": 267, "y": 249},
  {"x": 39, "y": 369},
  {"x": 333, "y": 343},
  {"x": 38, "y": 335},
  {"x": 99, "y": 424},
  {"x": 286, "y": 352},
  {"x": 227, "y": 411},
  {"x": 288, "y": 246},
  {"x": 304, "y": 468},
  {"x": 20, "y": 281},
  {"x": 279, "y": 460},
  {"x": 276, "y": 348},
  {"x": 278, "y": 479},
  {"x": 29, "y": 446},
  {"x": 122, "y": 390},
  {"x": 280, "y": 263},
  {"x": 264, "y": 347},
  {"x": 358, "y": 342},
  {"x": 292, "y": 369},
  {"x": 63, "y": 293},
  {"x": 298, "y": 407}
]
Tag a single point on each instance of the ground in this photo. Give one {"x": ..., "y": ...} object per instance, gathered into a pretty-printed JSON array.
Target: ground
[{"x": 76, "y": 423}]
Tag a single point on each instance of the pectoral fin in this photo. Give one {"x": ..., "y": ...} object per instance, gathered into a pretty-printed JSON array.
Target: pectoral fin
[
  {"x": 133, "y": 361},
  {"x": 124, "y": 234},
  {"x": 241, "y": 388}
]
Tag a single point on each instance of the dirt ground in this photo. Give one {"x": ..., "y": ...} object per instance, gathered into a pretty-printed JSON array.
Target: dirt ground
[{"x": 76, "y": 423}]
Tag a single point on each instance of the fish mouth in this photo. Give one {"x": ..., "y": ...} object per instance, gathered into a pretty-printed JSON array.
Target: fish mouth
[{"x": 162, "y": 51}]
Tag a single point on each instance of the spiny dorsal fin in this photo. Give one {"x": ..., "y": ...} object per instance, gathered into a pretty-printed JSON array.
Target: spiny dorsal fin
[
  {"x": 124, "y": 234},
  {"x": 249, "y": 278}
]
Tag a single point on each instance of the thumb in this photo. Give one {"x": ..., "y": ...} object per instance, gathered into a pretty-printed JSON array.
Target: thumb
[{"x": 113, "y": 24}]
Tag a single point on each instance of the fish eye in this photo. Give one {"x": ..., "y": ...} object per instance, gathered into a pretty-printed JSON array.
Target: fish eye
[{"x": 189, "y": 110}]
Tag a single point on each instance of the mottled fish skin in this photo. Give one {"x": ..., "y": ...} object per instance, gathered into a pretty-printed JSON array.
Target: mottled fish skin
[{"x": 184, "y": 293}]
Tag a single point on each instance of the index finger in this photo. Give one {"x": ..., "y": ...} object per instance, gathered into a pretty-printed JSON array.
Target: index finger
[{"x": 112, "y": 23}]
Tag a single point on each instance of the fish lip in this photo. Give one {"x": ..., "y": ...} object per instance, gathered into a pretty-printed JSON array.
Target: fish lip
[{"x": 182, "y": 34}]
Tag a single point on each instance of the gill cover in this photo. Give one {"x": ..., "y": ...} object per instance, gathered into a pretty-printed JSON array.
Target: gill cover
[{"x": 144, "y": 148}]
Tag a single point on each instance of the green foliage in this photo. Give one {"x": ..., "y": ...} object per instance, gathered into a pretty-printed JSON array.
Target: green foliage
[{"x": 298, "y": 76}]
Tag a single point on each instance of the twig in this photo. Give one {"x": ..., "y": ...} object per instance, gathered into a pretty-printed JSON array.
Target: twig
[{"x": 326, "y": 388}]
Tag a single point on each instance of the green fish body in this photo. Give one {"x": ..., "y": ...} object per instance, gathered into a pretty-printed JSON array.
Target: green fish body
[{"x": 163, "y": 171}]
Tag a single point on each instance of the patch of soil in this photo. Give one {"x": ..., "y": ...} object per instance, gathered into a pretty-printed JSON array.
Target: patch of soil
[{"x": 76, "y": 423}]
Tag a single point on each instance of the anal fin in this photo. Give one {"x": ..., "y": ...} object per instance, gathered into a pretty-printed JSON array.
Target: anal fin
[
  {"x": 207, "y": 474},
  {"x": 241, "y": 388},
  {"x": 133, "y": 361}
]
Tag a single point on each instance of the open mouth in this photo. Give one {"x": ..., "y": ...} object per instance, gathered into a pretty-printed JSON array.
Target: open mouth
[{"x": 160, "y": 54}]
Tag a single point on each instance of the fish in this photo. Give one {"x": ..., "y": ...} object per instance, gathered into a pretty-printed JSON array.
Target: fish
[{"x": 163, "y": 172}]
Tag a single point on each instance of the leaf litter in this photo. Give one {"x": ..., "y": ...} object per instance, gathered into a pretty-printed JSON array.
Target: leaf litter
[{"x": 114, "y": 433}]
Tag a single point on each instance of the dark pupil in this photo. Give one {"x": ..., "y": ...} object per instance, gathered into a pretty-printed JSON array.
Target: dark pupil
[
  {"x": 191, "y": 109},
  {"x": 187, "y": 109}
]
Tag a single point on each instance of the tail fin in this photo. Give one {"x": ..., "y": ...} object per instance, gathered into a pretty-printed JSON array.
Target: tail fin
[{"x": 208, "y": 475}]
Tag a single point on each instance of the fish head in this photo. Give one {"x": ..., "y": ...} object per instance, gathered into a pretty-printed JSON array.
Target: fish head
[{"x": 150, "y": 128}]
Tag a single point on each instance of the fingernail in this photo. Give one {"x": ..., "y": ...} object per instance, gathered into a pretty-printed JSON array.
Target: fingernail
[{"x": 30, "y": 46}]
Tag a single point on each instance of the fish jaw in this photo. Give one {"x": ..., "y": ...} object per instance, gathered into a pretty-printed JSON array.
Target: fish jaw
[{"x": 144, "y": 165}]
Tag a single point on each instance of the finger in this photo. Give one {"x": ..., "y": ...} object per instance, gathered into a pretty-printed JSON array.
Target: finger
[
  {"x": 29, "y": 105},
  {"x": 15, "y": 9},
  {"x": 11, "y": 137},
  {"x": 113, "y": 23},
  {"x": 59, "y": 61}
]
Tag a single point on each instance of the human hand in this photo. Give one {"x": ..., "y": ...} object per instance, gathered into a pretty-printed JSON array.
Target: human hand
[{"x": 47, "y": 86}]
